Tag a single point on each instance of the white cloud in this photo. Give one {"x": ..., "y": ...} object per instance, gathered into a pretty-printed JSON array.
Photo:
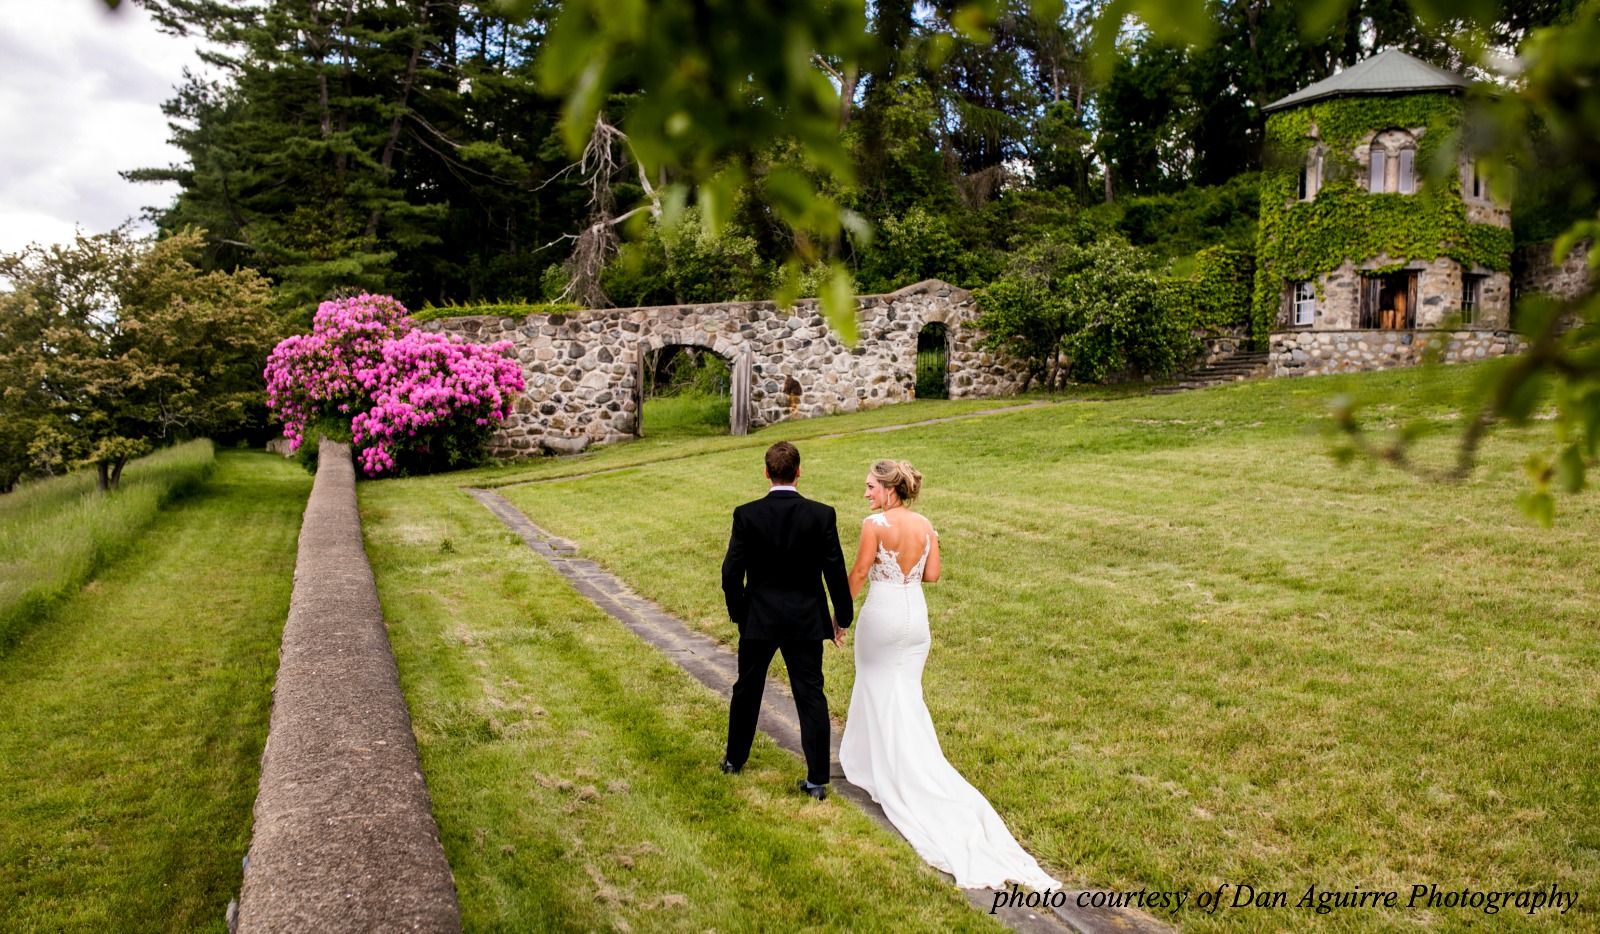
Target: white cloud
[{"x": 81, "y": 90}]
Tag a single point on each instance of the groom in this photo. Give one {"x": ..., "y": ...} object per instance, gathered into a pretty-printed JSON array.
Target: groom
[{"x": 783, "y": 548}]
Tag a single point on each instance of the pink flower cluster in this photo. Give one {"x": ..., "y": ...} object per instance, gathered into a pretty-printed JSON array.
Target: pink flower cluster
[
  {"x": 366, "y": 365},
  {"x": 426, "y": 381}
]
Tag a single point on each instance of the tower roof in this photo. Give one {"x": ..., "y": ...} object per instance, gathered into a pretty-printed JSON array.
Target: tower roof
[{"x": 1389, "y": 72}]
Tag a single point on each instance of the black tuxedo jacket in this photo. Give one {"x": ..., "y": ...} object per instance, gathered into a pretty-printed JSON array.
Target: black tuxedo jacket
[{"x": 783, "y": 548}]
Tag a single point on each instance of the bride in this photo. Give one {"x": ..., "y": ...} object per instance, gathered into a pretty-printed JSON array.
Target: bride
[{"x": 889, "y": 746}]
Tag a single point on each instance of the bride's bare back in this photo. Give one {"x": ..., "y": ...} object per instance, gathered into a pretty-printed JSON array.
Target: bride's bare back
[{"x": 906, "y": 537}]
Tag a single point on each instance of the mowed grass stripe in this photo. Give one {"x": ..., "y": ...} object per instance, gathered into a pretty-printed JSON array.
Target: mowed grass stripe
[
  {"x": 573, "y": 768},
  {"x": 57, "y": 533},
  {"x": 679, "y": 441},
  {"x": 132, "y": 722},
  {"x": 1177, "y": 645}
]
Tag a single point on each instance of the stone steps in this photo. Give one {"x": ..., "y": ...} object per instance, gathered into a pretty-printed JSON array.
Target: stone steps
[{"x": 1234, "y": 368}]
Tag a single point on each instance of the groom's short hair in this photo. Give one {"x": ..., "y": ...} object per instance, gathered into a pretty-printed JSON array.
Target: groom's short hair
[{"x": 783, "y": 462}]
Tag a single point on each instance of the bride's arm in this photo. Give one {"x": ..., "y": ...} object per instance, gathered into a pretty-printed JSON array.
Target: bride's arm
[
  {"x": 930, "y": 571},
  {"x": 865, "y": 555}
]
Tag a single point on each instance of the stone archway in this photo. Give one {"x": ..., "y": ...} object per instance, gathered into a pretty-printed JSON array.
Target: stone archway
[{"x": 658, "y": 355}]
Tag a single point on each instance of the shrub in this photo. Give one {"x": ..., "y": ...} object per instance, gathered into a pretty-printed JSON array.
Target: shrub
[
  {"x": 408, "y": 400},
  {"x": 1088, "y": 312},
  {"x": 915, "y": 246},
  {"x": 492, "y": 309}
]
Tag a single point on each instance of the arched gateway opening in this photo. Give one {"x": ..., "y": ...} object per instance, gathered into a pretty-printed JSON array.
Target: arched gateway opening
[
  {"x": 689, "y": 390},
  {"x": 933, "y": 361}
]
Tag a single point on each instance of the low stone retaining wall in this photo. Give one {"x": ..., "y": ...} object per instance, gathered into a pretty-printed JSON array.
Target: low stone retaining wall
[
  {"x": 344, "y": 837},
  {"x": 1313, "y": 353},
  {"x": 1216, "y": 346}
]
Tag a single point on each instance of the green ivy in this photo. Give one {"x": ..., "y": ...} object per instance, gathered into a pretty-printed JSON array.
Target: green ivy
[
  {"x": 1216, "y": 295},
  {"x": 1308, "y": 239},
  {"x": 492, "y": 309}
]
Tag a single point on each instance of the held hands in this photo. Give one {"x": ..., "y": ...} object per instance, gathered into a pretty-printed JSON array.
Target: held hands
[{"x": 838, "y": 634}]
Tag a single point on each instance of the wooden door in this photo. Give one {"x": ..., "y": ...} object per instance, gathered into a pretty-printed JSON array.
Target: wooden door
[{"x": 739, "y": 397}]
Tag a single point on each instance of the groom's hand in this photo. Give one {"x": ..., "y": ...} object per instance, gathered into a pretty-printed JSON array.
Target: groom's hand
[{"x": 838, "y": 634}]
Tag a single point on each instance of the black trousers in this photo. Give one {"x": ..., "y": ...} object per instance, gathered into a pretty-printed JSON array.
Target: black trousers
[{"x": 804, "y": 661}]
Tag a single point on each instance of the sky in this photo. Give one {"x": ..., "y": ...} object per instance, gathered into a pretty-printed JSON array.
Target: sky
[{"x": 81, "y": 90}]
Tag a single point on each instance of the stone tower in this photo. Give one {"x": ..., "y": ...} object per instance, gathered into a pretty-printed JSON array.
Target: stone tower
[{"x": 1364, "y": 230}]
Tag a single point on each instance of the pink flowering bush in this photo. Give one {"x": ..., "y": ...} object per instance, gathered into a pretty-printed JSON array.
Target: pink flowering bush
[{"x": 407, "y": 399}]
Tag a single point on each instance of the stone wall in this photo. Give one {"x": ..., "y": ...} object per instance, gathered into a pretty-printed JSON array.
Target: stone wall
[
  {"x": 583, "y": 369},
  {"x": 1314, "y": 353},
  {"x": 1537, "y": 273},
  {"x": 1216, "y": 346}
]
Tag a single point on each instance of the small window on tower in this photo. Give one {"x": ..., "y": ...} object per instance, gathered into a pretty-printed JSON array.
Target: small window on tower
[
  {"x": 1305, "y": 303},
  {"x": 1379, "y": 169},
  {"x": 1310, "y": 176}
]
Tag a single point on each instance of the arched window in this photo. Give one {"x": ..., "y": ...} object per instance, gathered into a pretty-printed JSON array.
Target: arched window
[
  {"x": 1473, "y": 183},
  {"x": 1311, "y": 175},
  {"x": 1392, "y": 165},
  {"x": 933, "y": 365}
]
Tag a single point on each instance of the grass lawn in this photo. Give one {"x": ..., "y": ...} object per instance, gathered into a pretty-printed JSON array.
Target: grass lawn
[
  {"x": 1175, "y": 644},
  {"x": 132, "y": 719},
  {"x": 55, "y": 534},
  {"x": 685, "y": 414},
  {"x": 676, "y": 441}
]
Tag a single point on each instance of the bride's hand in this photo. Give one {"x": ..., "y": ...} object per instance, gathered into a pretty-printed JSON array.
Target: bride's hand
[{"x": 838, "y": 634}]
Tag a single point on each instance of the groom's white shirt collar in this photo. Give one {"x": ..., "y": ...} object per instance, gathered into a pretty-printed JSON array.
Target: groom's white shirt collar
[{"x": 779, "y": 486}]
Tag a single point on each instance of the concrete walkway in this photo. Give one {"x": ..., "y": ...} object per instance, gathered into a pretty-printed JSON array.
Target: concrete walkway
[
  {"x": 344, "y": 837},
  {"x": 716, "y": 666}
]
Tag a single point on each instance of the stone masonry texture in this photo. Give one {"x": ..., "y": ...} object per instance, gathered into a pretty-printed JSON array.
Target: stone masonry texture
[{"x": 583, "y": 369}]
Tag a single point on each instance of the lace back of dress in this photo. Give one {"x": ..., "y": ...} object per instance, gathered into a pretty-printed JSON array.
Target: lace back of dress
[{"x": 887, "y": 567}]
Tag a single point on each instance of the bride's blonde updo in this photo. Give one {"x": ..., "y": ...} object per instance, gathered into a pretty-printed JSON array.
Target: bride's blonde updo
[{"x": 899, "y": 477}]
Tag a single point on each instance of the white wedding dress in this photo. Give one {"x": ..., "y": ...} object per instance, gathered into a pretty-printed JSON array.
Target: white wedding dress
[{"x": 890, "y": 748}]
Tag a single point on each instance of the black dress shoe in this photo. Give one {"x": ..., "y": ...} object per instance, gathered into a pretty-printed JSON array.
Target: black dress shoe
[
  {"x": 728, "y": 768},
  {"x": 820, "y": 792}
]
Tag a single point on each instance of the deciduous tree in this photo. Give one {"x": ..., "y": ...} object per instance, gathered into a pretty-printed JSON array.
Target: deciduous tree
[{"x": 112, "y": 345}]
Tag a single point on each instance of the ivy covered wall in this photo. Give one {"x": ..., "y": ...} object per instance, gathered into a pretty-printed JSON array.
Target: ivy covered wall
[
  {"x": 1307, "y": 239},
  {"x": 1215, "y": 296}
]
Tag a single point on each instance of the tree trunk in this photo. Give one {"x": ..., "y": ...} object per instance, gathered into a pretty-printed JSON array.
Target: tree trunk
[
  {"x": 341, "y": 161},
  {"x": 319, "y": 55},
  {"x": 847, "y": 94},
  {"x": 102, "y": 472},
  {"x": 1108, "y": 181},
  {"x": 116, "y": 472}
]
